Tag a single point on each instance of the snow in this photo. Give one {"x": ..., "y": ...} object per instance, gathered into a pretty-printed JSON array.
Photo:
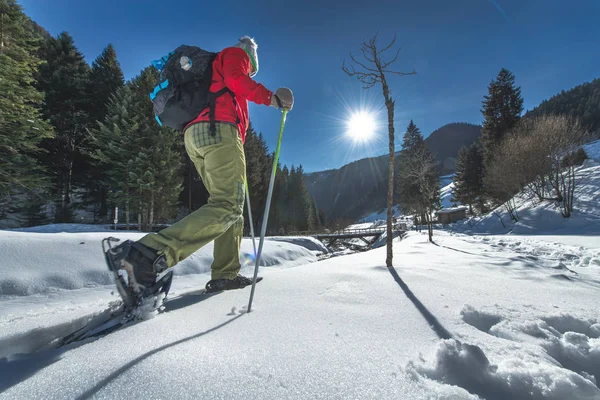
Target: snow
[
  {"x": 58, "y": 228},
  {"x": 343, "y": 327},
  {"x": 485, "y": 312},
  {"x": 593, "y": 150},
  {"x": 75, "y": 261},
  {"x": 544, "y": 218},
  {"x": 446, "y": 195},
  {"x": 380, "y": 215}
]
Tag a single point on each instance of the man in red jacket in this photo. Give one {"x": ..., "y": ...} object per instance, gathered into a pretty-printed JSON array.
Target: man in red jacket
[{"x": 219, "y": 158}]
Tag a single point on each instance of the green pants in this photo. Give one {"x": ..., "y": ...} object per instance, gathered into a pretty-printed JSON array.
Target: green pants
[{"x": 221, "y": 163}]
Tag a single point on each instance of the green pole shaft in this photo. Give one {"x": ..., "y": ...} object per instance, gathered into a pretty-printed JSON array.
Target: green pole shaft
[
  {"x": 263, "y": 228},
  {"x": 250, "y": 217}
]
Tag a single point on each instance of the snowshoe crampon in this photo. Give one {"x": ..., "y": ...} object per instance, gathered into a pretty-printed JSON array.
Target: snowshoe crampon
[{"x": 130, "y": 297}]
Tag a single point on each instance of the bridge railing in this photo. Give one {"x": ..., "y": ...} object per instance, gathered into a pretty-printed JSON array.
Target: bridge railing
[{"x": 343, "y": 232}]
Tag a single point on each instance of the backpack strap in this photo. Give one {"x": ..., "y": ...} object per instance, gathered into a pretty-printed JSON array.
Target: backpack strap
[{"x": 212, "y": 102}]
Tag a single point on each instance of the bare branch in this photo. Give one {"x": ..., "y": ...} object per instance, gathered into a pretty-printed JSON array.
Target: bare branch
[
  {"x": 389, "y": 46},
  {"x": 367, "y": 53},
  {"x": 362, "y": 65},
  {"x": 400, "y": 73}
]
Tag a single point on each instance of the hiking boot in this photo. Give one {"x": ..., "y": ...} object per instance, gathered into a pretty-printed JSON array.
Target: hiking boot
[
  {"x": 141, "y": 263},
  {"x": 239, "y": 282}
]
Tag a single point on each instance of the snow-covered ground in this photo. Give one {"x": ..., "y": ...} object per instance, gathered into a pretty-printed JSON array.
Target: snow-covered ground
[
  {"x": 467, "y": 317},
  {"x": 544, "y": 218},
  {"x": 592, "y": 150},
  {"x": 379, "y": 215},
  {"x": 486, "y": 312}
]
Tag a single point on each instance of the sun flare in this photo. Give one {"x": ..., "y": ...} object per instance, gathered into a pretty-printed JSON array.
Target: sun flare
[{"x": 361, "y": 126}]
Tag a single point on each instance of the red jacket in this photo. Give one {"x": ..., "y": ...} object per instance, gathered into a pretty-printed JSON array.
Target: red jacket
[{"x": 232, "y": 68}]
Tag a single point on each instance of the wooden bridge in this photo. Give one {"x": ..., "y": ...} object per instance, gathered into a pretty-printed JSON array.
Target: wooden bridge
[{"x": 369, "y": 235}]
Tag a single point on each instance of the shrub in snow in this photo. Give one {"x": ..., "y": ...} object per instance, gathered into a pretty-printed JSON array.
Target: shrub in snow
[{"x": 539, "y": 154}]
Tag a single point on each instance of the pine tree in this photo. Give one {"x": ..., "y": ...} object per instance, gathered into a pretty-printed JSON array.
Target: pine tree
[
  {"x": 64, "y": 79},
  {"x": 258, "y": 171},
  {"x": 409, "y": 196},
  {"x": 302, "y": 201},
  {"x": 106, "y": 77},
  {"x": 114, "y": 143},
  {"x": 468, "y": 179},
  {"x": 418, "y": 180},
  {"x": 279, "y": 213},
  {"x": 158, "y": 165},
  {"x": 413, "y": 138},
  {"x": 21, "y": 124},
  {"x": 502, "y": 109}
]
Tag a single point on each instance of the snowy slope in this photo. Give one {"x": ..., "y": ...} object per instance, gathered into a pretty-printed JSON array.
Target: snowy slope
[
  {"x": 593, "y": 150},
  {"x": 544, "y": 218},
  {"x": 464, "y": 318}
]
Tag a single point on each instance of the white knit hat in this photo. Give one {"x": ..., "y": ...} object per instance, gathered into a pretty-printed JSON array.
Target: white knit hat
[{"x": 250, "y": 46}]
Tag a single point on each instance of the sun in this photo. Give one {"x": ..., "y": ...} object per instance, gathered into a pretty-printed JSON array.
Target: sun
[{"x": 361, "y": 126}]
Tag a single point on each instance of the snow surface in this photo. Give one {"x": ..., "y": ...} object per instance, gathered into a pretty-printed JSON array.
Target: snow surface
[
  {"x": 463, "y": 318},
  {"x": 544, "y": 218},
  {"x": 380, "y": 215},
  {"x": 593, "y": 150},
  {"x": 41, "y": 263},
  {"x": 67, "y": 228}
]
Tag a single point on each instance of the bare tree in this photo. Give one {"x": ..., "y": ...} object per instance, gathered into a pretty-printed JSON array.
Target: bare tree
[
  {"x": 370, "y": 72},
  {"x": 421, "y": 175},
  {"x": 532, "y": 157}
]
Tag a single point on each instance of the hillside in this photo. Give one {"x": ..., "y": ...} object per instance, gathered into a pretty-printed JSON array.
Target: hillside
[
  {"x": 360, "y": 187},
  {"x": 447, "y": 140},
  {"x": 582, "y": 101}
]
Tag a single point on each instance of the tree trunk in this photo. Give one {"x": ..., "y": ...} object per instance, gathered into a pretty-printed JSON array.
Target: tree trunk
[
  {"x": 69, "y": 181},
  {"x": 430, "y": 227},
  {"x": 151, "y": 217},
  {"x": 389, "y": 103},
  {"x": 103, "y": 210}
]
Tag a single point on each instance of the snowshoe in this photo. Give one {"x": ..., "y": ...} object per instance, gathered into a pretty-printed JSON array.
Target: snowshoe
[
  {"x": 135, "y": 268},
  {"x": 239, "y": 282}
]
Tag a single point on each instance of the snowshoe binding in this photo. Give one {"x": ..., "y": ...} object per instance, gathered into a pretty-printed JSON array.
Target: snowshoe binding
[
  {"x": 135, "y": 268},
  {"x": 239, "y": 282}
]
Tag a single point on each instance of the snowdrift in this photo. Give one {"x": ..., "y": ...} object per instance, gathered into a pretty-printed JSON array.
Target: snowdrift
[{"x": 35, "y": 263}]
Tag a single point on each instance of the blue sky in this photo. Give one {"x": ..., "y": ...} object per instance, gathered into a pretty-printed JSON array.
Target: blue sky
[{"x": 457, "y": 47}]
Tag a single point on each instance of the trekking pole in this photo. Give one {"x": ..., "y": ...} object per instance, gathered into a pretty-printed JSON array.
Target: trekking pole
[
  {"x": 250, "y": 217},
  {"x": 263, "y": 228}
]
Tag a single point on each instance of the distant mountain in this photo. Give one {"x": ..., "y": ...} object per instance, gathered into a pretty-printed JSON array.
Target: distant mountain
[
  {"x": 447, "y": 140},
  {"x": 582, "y": 101},
  {"x": 360, "y": 187}
]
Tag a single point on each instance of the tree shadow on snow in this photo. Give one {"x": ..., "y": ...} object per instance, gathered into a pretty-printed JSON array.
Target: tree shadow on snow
[
  {"x": 437, "y": 327},
  {"x": 460, "y": 251},
  {"x": 92, "y": 391}
]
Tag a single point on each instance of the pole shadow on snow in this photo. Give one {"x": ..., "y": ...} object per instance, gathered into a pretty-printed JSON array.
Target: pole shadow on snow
[
  {"x": 92, "y": 391},
  {"x": 437, "y": 327}
]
